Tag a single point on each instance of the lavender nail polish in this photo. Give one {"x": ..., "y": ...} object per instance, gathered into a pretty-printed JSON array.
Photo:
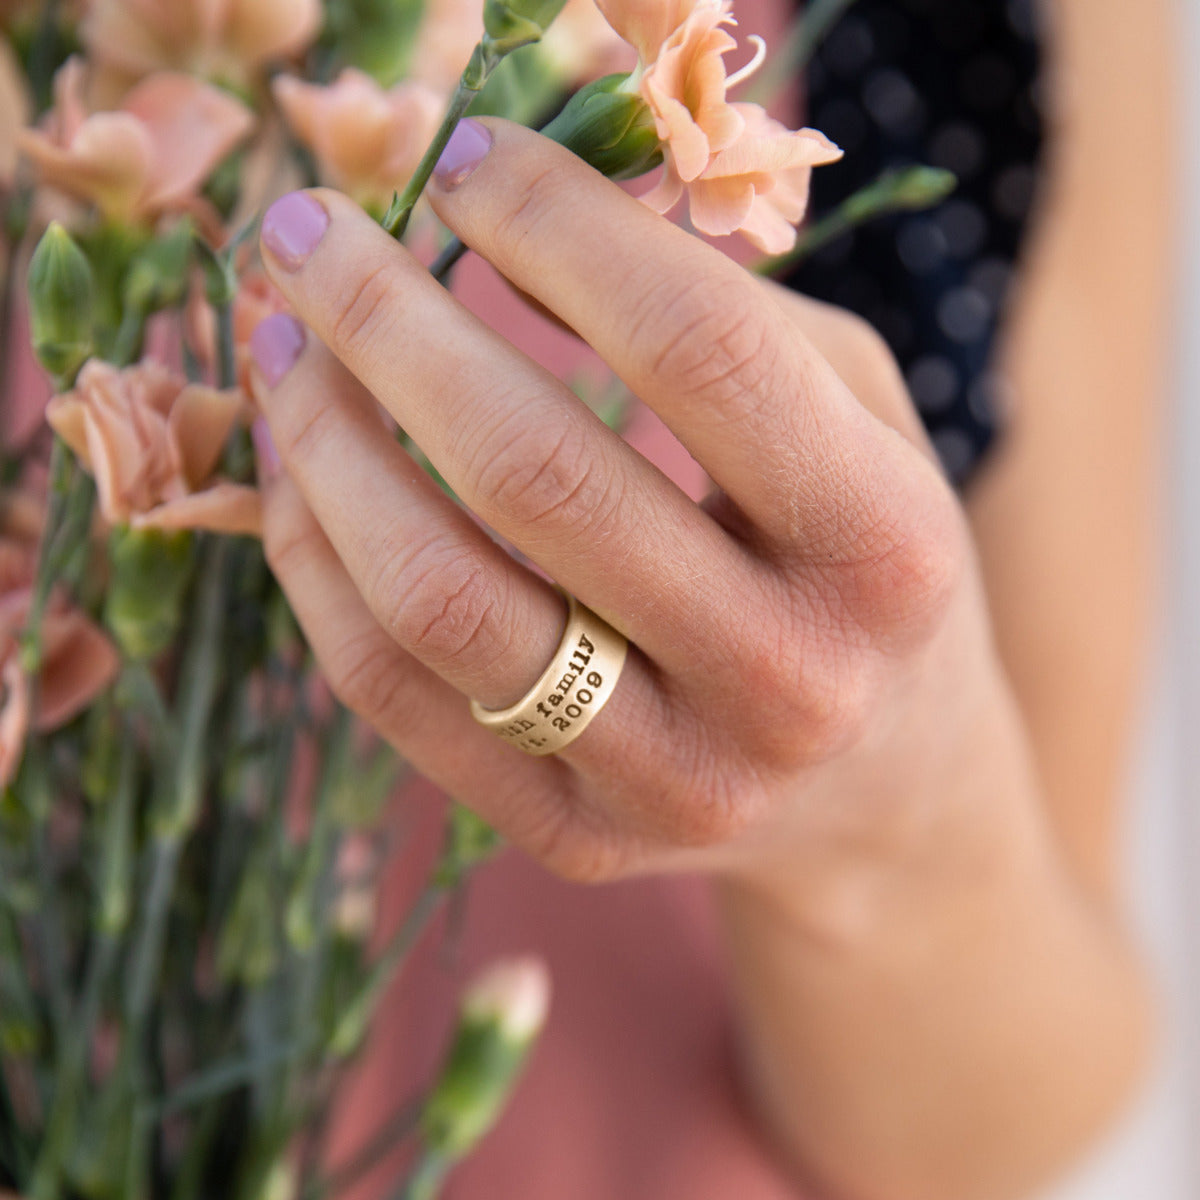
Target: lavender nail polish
[
  {"x": 466, "y": 149},
  {"x": 292, "y": 227},
  {"x": 275, "y": 345}
]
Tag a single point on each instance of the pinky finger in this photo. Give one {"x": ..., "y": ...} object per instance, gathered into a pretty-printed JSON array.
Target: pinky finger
[{"x": 421, "y": 715}]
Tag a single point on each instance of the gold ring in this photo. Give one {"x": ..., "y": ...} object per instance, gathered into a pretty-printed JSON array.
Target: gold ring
[{"x": 576, "y": 685}]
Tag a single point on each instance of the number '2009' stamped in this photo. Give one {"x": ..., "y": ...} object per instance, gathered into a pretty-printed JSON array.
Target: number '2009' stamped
[{"x": 579, "y": 680}]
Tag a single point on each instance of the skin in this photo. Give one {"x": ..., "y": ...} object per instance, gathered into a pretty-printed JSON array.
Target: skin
[{"x": 889, "y": 726}]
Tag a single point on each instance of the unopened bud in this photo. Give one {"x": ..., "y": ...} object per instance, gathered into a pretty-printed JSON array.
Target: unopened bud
[
  {"x": 910, "y": 189},
  {"x": 151, "y": 570},
  {"x": 501, "y": 1016},
  {"x": 610, "y": 129},
  {"x": 62, "y": 298}
]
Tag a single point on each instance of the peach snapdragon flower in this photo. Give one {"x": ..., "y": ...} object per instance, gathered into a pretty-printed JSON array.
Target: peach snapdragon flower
[
  {"x": 367, "y": 140},
  {"x": 78, "y": 661},
  {"x": 153, "y": 442},
  {"x": 227, "y": 40},
  {"x": 149, "y": 156}
]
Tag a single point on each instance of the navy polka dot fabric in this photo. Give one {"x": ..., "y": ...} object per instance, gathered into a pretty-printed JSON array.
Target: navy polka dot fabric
[{"x": 951, "y": 83}]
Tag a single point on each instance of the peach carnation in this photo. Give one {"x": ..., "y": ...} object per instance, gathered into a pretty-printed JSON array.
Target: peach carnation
[
  {"x": 367, "y": 141},
  {"x": 757, "y": 187},
  {"x": 742, "y": 171},
  {"x": 228, "y": 40},
  {"x": 149, "y": 156},
  {"x": 78, "y": 661},
  {"x": 153, "y": 443}
]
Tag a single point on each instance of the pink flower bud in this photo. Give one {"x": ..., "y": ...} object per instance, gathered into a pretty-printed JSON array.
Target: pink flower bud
[{"x": 515, "y": 995}]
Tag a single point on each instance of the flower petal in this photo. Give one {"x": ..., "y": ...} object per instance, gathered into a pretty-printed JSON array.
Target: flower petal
[
  {"x": 79, "y": 663},
  {"x": 191, "y": 126},
  {"x": 107, "y": 162},
  {"x": 232, "y": 508},
  {"x": 646, "y": 24},
  {"x": 14, "y": 718},
  {"x": 258, "y": 31},
  {"x": 199, "y": 426},
  {"x": 719, "y": 206}
]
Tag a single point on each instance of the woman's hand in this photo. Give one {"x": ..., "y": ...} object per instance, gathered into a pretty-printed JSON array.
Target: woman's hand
[
  {"x": 810, "y": 709},
  {"x": 776, "y": 629}
]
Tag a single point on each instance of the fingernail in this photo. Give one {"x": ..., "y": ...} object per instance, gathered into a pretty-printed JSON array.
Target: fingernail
[
  {"x": 269, "y": 465},
  {"x": 292, "y": 227},
  {"x": 466, "y": 149},
  {"x": 275, "y": 345}
]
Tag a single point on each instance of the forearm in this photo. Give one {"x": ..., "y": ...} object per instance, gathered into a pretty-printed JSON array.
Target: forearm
[
  {"x": 1067, "y": 515},
  {"x": 963, "y": 1023}
]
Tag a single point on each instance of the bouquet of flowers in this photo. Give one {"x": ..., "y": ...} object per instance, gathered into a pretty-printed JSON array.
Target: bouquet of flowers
[{"x": 190, "y": 826}]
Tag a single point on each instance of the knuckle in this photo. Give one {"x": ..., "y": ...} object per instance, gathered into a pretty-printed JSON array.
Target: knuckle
[
  {"x": 287, "y": 547},
  {"x": 804, "y": 691},
  {"x": 308, "y": 430},
  {"x": 546, "y": 478},
  {"x": 438, "y": 601},
  {"x": 365, "y": 307},
  {"x": 907, "y": 566},
  {"x": 366, "y": 674},
  {"x": 539, "y": 199},
  {"x": 715, "y": 343}
]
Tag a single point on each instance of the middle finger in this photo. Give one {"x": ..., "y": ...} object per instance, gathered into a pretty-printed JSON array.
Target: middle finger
[{"x": 512, "y": 441}]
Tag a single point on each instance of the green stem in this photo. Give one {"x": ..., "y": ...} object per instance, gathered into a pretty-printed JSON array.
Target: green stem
[
  {"x": 41, "y": 56},
  {"x": 127, "y": 342},
  {"x": 48, "y": 932},
  {"x": 49, "y": 1170},
  {"x": 47, "y": 1181},
  {"x": 358, "y": 1012},
  {"x": 138, "y": 692},
  {"x": 447, "y": 260},
  {"x": 177, "y": 808},
  {"x": 426, "y": 1180},
  {"x": 808, "y": 31},
  {"x": 226, "y": 348},
  {"x": 224, "y": 1078},
  {"x": 64, "y": 472},
  {"x": 908, "y": 190},
  {"x": 395, "y": 221},
  {"x": 399, "y": 1126}
]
